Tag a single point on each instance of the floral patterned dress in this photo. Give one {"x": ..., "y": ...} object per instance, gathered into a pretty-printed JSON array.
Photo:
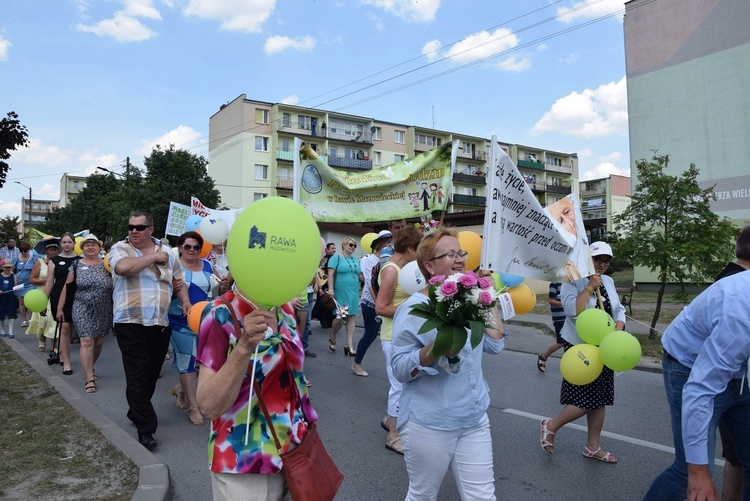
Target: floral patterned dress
[
  {"x": 92, "y": 304},
  {"x": 280, "y": 364}
]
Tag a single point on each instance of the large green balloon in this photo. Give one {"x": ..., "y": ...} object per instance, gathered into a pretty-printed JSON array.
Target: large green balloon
[
  {"x": 273, "y": 250},
  {"x": 620, "y": 351},
  {"x": 593, "y": 324},
  {"x": 35, "y": 300},
  {"x": 581, "y": 364}
]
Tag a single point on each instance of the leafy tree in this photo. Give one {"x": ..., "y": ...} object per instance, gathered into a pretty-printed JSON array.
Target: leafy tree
[
  {"x": 105, "y": 204},
  {"x": 9, "y": 228},
  {"x": 12, "y": 135},
  {"x": 670, "y": 229}
]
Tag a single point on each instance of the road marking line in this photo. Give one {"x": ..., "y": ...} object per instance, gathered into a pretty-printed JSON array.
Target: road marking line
[{"x": 616, "y": 436}]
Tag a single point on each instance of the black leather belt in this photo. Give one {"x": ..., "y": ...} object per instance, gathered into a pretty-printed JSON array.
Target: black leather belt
[{"x": 669, "y": 357}]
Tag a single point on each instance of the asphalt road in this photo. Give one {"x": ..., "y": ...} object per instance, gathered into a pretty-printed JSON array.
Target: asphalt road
[{"x": 636, "y": 430}]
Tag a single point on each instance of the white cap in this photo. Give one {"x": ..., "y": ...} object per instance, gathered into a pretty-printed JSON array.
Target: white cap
[{"x": 601, "y": 248}]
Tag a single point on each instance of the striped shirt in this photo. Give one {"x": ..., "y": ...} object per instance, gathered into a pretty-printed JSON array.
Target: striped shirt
[
  {"x": 558, "y": 313},
  {"x": 142, "y": 298}
]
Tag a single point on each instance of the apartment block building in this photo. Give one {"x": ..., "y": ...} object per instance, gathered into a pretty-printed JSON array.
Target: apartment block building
[
  {"x": 601, "y": 201},
  {"x": 251, "y": 154},
  {"x": 34, "y": 212},
  {"x": 70, "y": 187}
]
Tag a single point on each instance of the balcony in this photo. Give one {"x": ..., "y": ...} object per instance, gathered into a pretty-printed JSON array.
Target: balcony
[
  {"x": 557, "y": 188},
  {"x": 420, "y": 146},
  {"x": 563, "y": 169},
  {"x": 350, "y": 163},
  {"x": 462, "y": 177},
  {"x": 351, "y": 136},
  {"x": 472, "y": 200},
  {"x": 602, "y": 190},
  {"x": 479, "y": 156},
  {"x": 284, "y": 183},
  {"x": 527, "y": 164},
  {"x": 284, "y": 155}
]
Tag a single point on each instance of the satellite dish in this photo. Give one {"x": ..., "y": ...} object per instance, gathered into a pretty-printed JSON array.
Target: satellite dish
[{"x": 373, "y": 129}]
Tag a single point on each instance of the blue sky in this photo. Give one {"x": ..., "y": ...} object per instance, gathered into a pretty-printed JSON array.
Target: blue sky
[{"x": 96, "y": 81}]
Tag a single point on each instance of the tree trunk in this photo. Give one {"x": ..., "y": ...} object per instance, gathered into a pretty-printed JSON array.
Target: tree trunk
[{"x": 652, "y": 331}]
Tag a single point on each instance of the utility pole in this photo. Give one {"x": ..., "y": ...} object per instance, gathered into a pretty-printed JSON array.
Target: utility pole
[{"x": 127, "y": 169}]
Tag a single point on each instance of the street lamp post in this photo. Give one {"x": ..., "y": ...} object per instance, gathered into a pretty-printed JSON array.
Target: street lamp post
[{"x": 23, "y": 221}]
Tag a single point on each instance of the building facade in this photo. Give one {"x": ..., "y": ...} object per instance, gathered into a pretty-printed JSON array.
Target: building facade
[
  {"x": 601, "y": 201},
  {"x": 34, "y": 212},
  {"x": 251, "y": 154},
  {"x": 70, "y": 187}
]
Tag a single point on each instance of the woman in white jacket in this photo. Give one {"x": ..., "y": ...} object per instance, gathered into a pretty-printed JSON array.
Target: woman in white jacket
[{"x": 587, "y": 400}]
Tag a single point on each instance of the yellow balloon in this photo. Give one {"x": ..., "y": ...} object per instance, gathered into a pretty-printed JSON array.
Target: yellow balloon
[
  {"x": 77, "y": 248},
  {"x": 366, "y": 242},
  {"x": 106, "y": 263},
  {"x": 471, "y": 243},
  {"x": 524, "y": 299},
  {"x": 581, "y": 364}
]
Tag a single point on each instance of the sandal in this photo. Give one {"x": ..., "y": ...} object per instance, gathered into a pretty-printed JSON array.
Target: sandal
[
  {"x": 179, "y": 397},
  {"x": 547, "y": 446},
  {"x": 24, "y": 324},
  {"x": 395, "y": 445},
  {"x": 195, "y": 417},
  {"x": 331, "y": 343},
  {"x": 90, "y": 386},
  {"x": 541, "y": 363},
  {"x": 606, "y": 458}
]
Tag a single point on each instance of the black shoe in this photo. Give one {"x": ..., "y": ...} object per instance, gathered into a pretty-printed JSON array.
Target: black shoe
[
  {"x": 147, "y": 440},
  {"x": 310, "y": 354}
]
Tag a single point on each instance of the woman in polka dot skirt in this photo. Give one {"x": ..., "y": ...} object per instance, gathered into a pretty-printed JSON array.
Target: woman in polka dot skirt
[{"x": 587, "y": 400}]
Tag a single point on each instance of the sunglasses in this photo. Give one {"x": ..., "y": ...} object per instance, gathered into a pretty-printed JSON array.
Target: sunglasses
[
  {"x": 138, "y": 227},
  {"x": 603, "y": 260},
  {"x": 353, "y": 246},
  {"x": 188, "y": 247}
]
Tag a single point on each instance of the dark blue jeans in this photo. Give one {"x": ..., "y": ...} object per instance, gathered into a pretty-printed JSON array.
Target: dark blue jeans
[
  {"x": 671, "y": 484},
  {"x": 372, "y": 330}
]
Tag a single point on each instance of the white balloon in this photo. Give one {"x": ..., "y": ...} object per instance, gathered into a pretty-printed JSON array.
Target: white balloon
[
  {"x": 214, "y": 230},
  {"x": 411, "y": 279}
]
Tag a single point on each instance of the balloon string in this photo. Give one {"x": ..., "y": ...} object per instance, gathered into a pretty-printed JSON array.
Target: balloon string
[
  {"x": 250, "y": 393},
  {"x": 645, "y": 325}
]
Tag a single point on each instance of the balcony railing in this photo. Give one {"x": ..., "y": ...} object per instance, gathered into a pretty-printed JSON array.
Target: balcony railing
[
  {"x": 565, "y": 169},
  {"x": 594, "y": 215},
  {"x": 349, "y": 163},
  {"x": 285, "y": 183},
  {"x": 473, "y": 200},
  {"x": 479, "y": 156},
  {"x": 526, "y": 164},
  {"x": 422, "y": 146},
  {"x": 596, "y": 191},
  {"x": 556, "y": 188},
  {"x": 355, "y": 137},
  {"x": 462, "y": 177},
  {"x": 284, "y": 155}
]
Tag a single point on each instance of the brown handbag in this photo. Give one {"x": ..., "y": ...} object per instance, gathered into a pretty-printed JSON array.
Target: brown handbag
[
  {"x": 327, "y": 299},
  {"x": 311, "y": 474}
]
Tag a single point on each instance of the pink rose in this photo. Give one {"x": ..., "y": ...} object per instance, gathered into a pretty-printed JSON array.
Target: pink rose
[
  {"x": 437, "y": 279},
  {"x": 485, "y": 283},
  {"x": 448, "y": 288},
  {"x": 468, "y": 280},
  {"x": 485, "y": 298}
]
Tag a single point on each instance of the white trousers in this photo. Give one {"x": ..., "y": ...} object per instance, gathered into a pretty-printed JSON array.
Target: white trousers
[
  {"x": 394, "y": 393},
  {"x": 468, "y": 452},
  {"x": 250, "y": 487}
]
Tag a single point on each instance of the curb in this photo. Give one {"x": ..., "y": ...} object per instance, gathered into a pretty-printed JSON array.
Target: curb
[
  {"x": 153, "y": 478},
  {"x": 647, "y": 364}
]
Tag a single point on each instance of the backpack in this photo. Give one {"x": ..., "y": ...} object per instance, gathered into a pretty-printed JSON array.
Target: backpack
[{"x": 374, "y": 280}]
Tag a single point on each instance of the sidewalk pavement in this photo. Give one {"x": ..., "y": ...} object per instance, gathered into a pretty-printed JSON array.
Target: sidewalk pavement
[{"x": 530, "y": 333}]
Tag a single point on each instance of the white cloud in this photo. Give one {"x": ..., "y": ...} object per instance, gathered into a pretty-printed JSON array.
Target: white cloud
[
  {"x": 12, "y": 209},
  {"x": 603, "y": 170},
  {"x": 40, "y": 154},
  {"x": 124, "y": 27},
  {"x": 278, "y": 43},
  {"x": 514, "y": 64},
  {"x": 49, "y": 190},
  {"x": 430, "y": 50},
  {"x": 542, "y": 47},
  {"x": 481, "y": 45},
  {"x": 90, "y": 159},
  {"x": 420, "y": 11},
  {"x": 235, "y": 15},
  {"x": 570, "y": 58},
  {"x": 293, "y": 99},
  {"x": 589, "y": 9},
  {"x": 182, "y": 137},
  {"x": 591, "y": 113},
  {"x": 5, "y": 46},
  {"x": 377, "y": 23}
]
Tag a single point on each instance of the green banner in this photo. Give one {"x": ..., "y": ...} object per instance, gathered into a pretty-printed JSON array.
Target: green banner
[{"x": 411, "y": 188}]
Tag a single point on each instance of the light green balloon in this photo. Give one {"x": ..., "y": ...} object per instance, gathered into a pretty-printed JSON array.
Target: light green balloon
[
  {"x": 273, "y": 250},
  {"x": 620, "y": 351},
  {"x": 581, "y": 364},
  {"x": 35, "y": 300},
  {"x": 593, "y": 324}
]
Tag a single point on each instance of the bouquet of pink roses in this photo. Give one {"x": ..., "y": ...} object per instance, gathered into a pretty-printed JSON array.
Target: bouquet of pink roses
[{"x": 457, "y": 302}]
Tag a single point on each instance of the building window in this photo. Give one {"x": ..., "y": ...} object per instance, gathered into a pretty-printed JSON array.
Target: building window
[
  {"x": 261, "y": 171},
  {"x": 377, "y": 158},
  {"x": 261, "y": 143},
  {"x": 333, "y": 126},
  {"x": 286, "y": 145},
  {"x": 262, "y": 116},
  {"x": 75, "y": 185},
  {"x": 286, "y": 120},
  {"x": 398, "y": 158},
  {"x": 303, "y": 122},
  {"x": 332, "y": 151},
  {"x": 557, "y": 162},
  {"x": 259, "y": 196},
  {"x": 399, "y": 136},
  {"x": 284, "y": 173},
  {"x": 430, "y": 141},
  {"x": 376, "y": 134}
]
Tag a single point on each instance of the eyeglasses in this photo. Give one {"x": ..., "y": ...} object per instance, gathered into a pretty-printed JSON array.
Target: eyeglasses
[
  {"x": 353, "y": 246},
  {"x": 138, "y": 227},
  {"x": 451, "y": 255},
  {"x": 602, "y": 260},
  {"x": 188, "y": 247}
]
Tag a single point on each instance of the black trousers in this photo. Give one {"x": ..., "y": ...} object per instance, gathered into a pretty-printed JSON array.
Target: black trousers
[{"x": 143, "y": 350}]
